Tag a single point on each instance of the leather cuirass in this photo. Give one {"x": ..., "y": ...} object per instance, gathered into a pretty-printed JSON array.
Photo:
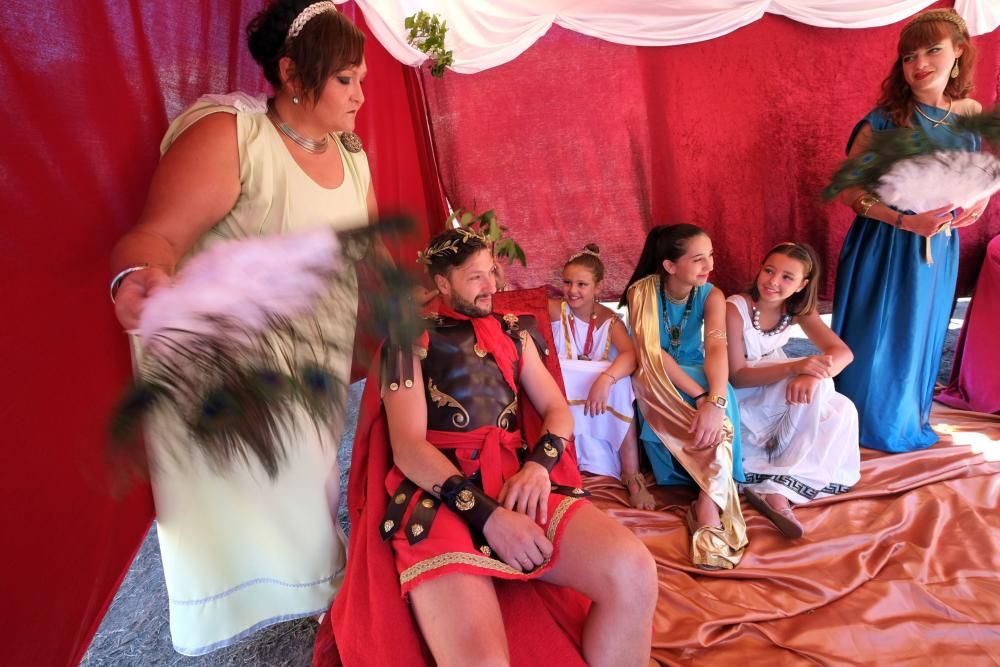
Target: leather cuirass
[{"x": 463, "y": 385}]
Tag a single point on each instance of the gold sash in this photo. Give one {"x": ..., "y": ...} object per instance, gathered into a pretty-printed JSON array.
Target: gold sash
[{"x": 669, "y": 416}]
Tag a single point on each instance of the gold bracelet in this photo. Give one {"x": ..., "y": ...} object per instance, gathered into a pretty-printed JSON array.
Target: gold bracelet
[
  {"x": 864, "y": 203},
  {"x": 613, "y": 378}
]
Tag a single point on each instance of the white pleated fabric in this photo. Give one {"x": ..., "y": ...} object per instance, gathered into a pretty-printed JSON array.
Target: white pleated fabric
[{"x": 488, "y": 33}]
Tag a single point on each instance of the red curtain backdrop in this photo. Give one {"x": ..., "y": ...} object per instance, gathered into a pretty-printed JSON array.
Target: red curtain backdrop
[
  {"x": 89, "y": 90},
  {"x": 581, "y": 140}
]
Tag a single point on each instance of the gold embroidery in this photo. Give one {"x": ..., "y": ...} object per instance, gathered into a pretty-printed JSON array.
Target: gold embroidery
[
  {"x": 486, "y": 550},
  {"x": 465, "y": 501},
  {"x": 557, "y": 517},
  {"x": 427, "y": 503},
  {"x": 387, "y": 526},
  {"x": 511, "y": 320},
  {"x": 442, "y": 399},
  {"x": 416, "y": 529},
  {"x": 463, "y": 558},
  {"x": 504, "y": 421}
]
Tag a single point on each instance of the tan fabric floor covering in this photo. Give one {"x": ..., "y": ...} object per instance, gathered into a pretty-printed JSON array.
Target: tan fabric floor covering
[{"x": 902, "y": 570}]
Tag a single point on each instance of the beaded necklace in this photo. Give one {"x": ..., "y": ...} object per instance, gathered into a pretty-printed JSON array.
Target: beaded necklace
[
  {"x": 782, "y": 324},
  {"x": 674, "y": 331}
]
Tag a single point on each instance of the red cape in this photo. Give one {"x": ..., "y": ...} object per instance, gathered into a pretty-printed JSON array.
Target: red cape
[{"x": 369, "y": 622}]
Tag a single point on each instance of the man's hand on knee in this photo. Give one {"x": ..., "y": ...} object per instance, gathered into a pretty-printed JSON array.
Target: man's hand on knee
[
  {"x": 527, "y": 492},
  {"x": 518, "y": 540}
]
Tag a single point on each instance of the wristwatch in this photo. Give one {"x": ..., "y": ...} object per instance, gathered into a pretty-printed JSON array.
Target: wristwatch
[{"x": 718, "y": 401}]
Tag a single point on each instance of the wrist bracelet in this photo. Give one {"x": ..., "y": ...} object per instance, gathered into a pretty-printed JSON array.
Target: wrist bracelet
[
  {"x": 547, "y": 452},
  {"x": 468, "y": 501},
  {"x": 116, "y": 282},
  {"x": 701, "y": 396},
  {"x": 613, "y": 378},
  {"x": 898, "y": 224}
]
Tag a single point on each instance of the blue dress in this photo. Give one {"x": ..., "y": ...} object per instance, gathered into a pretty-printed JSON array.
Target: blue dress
[
  {"x": 690, "y": 355},
  {"x": 892, "y": 309}
]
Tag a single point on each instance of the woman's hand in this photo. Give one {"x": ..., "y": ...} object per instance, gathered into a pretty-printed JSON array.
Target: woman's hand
[
  {"x": 971, "y": 214},
  {"x": 818, "y": 366},
  {"x": 706, "y": 424},
  {"x": 527, "y": 491},
  {"x": 133, "y": 291},
  {"x": 597, "y": 399},
  {"x": 801, "y": 389},
  {"x": 928, "y": 223}
]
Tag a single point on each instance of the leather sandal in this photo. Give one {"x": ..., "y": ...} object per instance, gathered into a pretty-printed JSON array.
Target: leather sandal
[
  {"x": 784, "y": 519},
  {"x": 642, "y": 497}
]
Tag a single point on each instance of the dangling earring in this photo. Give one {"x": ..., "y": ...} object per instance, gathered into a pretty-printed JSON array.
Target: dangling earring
[
  {"x": 296, "y": 100},
  {"x": 955, "y": 70}
]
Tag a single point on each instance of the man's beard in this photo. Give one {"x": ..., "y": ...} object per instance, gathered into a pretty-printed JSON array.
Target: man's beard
[{"x": 460, "y": 305}]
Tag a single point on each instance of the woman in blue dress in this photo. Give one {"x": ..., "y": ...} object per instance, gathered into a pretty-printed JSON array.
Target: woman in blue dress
[
  {"x": 897, "y": 271},
  {"x": 689, "y": 421}
]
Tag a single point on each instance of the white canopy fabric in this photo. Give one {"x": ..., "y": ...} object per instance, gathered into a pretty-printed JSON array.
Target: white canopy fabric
[{"x": 488, "y": 33}]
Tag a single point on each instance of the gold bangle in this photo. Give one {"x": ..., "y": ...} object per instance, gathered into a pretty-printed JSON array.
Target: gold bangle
[
  {"x": 864, "y": 203},
  {"x": 613, "y": 378}
]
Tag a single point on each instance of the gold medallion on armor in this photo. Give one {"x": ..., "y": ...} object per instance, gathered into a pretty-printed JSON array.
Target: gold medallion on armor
[
  {"x": 416, "y": 529},
  {"x": 400, "y": 498},
  {"x": 428, "y": 503},
  {"x": 465, "y": 500},
  {"x": 550, "y": 450},
  {"x": 387, "y": 526},
  {"x": 480, "y": 352},
  {"x": 486, "y": 550}
]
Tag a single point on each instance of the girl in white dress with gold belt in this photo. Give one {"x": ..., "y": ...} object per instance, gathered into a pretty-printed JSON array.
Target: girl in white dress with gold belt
[
  {"x": 800, "y": 437},
  {"x": 597, "y": 358}
]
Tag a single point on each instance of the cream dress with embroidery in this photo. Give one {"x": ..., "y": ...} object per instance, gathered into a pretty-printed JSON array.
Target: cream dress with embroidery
[
  {"x": 240, "y": 551},
  {"x": 598, "y": 438}
]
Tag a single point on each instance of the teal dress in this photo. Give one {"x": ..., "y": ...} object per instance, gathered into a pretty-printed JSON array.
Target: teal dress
[
  {"x": 892, "y": 309},
  {"x": 690, "y": 355}
]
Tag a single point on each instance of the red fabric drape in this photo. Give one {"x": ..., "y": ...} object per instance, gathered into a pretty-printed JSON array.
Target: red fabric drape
[
  {"x": 581, "y": 140},
  {"x": 89, "y": 90}
]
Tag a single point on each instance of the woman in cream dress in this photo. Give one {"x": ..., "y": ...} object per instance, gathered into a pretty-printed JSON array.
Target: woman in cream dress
[{"x": 242, "y": 551}]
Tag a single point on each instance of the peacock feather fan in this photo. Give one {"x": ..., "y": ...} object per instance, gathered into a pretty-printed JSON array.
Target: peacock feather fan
[
  {"x": 243, "y": 342},
  {"x": 910, "y": 171}
]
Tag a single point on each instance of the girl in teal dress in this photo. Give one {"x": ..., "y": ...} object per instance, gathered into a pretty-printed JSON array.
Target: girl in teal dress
[
  {"x": 692, "y": 337},
  {"x": 897, "y": 270}
]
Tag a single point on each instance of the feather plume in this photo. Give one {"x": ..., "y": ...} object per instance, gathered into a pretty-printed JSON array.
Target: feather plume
[{"x": 943, "y": 178}]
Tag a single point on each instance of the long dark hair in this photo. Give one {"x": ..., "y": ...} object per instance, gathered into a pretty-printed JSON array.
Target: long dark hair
[
  {"x": 804, "y": 302},
  {"x": 663, "y": 242}
]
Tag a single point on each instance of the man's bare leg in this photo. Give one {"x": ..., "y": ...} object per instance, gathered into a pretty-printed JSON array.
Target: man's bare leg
[
  {"x": 459, "y": 617},
  {"x": 604, "y": 561}
]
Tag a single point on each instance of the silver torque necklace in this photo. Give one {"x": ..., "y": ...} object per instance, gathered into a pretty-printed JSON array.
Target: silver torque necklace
[{"x": 307, "y": 144}]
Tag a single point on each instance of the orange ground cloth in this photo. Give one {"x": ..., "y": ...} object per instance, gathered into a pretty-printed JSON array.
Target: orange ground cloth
[{"x": 902, "y": 570}]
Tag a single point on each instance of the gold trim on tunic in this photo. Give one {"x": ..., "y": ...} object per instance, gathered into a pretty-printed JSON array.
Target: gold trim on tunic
[
  {"x": 669, "y": 416},
  {"x": 615, "y": 413},
  {"x": 481, "y": 560}
]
